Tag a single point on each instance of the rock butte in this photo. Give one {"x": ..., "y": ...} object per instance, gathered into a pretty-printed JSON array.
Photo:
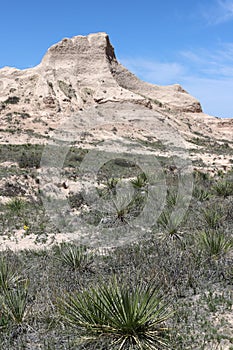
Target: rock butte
[{"x": 81, "y": 73}]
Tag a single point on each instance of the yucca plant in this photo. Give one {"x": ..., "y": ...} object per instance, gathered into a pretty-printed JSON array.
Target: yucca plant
[
  {"x": 140, "y": 183},
  {"x": 123, "y": 317},
  {"x": 223, "y": 188},
  {"x": 110, "y": 186},
  {"x": 201, "y": 194},
  {"x": 74, "y": 256},
  {"x": 171, "y": 198},
  {"x": 16, "y": 205},
  {"x": 14, "y": 301},
  {"x": 170, "y": 224},
  {"x": 8, "y": 277},
  {"x": 212, "y": 216},
  {"x": 215, "y": 244}
]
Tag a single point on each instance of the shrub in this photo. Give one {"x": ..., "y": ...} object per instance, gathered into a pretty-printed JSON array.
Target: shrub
[
  {"x": 75, "y": 200},
  {"x": 30, "y": 160}
]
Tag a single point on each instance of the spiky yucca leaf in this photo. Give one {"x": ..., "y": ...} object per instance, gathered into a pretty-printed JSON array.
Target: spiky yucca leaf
[
  {"x": 223, "y": 188},
  {"x": 8, "y": 277},
  {"x": 140, "y": 182},
  {"x": 215, "y": 244},
  {"x": 212, "y": 216},
  {"x": 123, "y": 316},
  {"x": 15, "y": 302},
  {"x": 170, "y": 224},
  {"x": 74, "y": 256}
]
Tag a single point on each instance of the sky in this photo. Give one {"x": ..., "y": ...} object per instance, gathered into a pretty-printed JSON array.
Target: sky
[{"x": 163, "y": 42}]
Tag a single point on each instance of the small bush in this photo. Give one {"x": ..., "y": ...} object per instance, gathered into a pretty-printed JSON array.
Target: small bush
[{"x": 30, "y": 160}]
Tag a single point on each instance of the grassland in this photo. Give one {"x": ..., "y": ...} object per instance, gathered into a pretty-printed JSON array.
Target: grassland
[{"x": 190, "y": 264}]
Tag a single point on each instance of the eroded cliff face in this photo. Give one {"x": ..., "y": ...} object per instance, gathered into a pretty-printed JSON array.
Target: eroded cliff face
[{"x": 82, "y": 72}]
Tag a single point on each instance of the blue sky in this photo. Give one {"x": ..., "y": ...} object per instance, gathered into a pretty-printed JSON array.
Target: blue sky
[{"x": 163, "y": 42}]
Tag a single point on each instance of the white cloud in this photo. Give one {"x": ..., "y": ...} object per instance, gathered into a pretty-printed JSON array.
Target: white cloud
[{"x": 220, "y": 12}]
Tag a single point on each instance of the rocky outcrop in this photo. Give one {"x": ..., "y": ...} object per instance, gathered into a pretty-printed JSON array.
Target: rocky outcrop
[
  {"x": 173, "y": 97},
  {"x": 82, "y": 72}
]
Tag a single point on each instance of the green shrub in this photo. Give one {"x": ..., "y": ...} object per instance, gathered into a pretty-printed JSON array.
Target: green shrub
[{"x": 30, "y": 159}]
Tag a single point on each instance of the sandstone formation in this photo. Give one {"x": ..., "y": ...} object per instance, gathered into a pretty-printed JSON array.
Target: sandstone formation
[{"x": 81, "y": 73}]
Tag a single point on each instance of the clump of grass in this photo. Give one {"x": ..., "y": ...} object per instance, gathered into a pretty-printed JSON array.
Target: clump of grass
[
  {"x": 201, "y": 194},
  {"x": 171, "y": 198},
  {"x": 123, "y": 317},
  {"x": 13, "y": 295}
]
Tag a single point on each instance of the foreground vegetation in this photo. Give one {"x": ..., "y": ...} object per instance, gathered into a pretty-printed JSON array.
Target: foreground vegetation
[{"x": 171, "y": 290}]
